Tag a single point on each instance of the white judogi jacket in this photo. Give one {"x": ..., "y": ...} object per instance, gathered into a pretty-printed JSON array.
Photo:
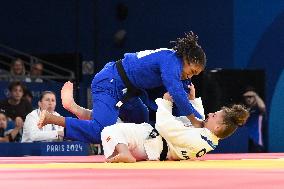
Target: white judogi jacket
[
  {"x": 32, "y": 133},
  {"x": 183, "y": 140}
]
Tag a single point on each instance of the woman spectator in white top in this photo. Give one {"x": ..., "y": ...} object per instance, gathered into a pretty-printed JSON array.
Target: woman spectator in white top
[{"x": 49, "y": 133}]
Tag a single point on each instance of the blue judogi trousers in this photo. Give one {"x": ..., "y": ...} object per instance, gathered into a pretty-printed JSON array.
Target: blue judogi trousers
[{"x": 106, "y": 89}]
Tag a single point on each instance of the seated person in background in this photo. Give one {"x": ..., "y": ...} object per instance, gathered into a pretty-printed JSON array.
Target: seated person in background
[
  {"x": 15, "y": 106},
  {"x": 18, "y": 70},
  {"x": 28, "y": 95},
  {"x": 50, "y": 132},
  {"x": 7, "y": 136},
  {"x": 35, "y": 73},
  {"x": 174, "y": 138}
]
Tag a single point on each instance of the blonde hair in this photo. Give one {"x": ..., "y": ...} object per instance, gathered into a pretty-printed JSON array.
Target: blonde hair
[
  {"x": 234, "y": 117},
  {"x": 12, "y": 66}
]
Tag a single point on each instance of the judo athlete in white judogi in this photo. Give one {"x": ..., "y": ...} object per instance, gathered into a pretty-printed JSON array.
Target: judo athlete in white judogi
[{"x": 174, "y": 138}]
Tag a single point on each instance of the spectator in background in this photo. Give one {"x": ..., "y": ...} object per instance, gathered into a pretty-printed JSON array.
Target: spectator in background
[
  {"x": 256, "y": 120},
  {"x": 4, "y": 75},
  {"x": 17, "y": 70},
  {"x": 15, "y": 106},
  {"x": 35, "y": 73},
  {"x": 7, "y": 136},
  {"x": 50, "y": 132},
  {"x": 28, "y": 95}
]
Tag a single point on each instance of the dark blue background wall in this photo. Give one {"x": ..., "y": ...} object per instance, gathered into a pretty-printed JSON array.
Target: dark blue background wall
[
  {"x": 152, "y": 24},
  {"x": 259, "y": 43},
  {"x": 38, "y": 26},
  {"x": 235, "y": 34}
]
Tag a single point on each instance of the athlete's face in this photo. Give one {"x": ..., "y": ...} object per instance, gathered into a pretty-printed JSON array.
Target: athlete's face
[
  {"x": 214, "y": 122},
  {"x": 190, "y": 69}
]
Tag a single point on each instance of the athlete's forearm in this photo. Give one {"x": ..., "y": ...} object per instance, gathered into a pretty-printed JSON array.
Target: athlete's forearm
[
  {"x": 195, "y": 122},
  {"x": 260, "y": 103},
  {"x": 166, "y": 123}
]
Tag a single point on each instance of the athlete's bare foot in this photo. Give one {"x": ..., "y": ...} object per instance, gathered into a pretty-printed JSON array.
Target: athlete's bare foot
[
  {"x": 42, "y": 119},
  {"x": 67, "y": 96},
  {"x": 122, "y": 157}
]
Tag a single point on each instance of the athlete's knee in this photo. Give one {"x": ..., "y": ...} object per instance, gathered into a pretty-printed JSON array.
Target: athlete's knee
[{"x": 104, "y": 132}]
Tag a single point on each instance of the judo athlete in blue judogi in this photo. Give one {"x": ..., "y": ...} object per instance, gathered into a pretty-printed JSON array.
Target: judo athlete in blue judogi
[{"x": 120, "y": 83}]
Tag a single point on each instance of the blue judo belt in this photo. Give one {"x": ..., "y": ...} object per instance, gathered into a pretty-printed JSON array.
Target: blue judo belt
[{"x": 132, "y": 91}]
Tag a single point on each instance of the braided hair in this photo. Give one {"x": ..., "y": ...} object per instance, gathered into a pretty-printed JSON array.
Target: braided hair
[
  {"x": 189, "y": 48},
  {"x": 234, "y": 117}
]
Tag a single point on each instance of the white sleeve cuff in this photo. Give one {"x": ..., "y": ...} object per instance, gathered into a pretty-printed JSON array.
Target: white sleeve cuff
[{"x": 198, "y": 106}]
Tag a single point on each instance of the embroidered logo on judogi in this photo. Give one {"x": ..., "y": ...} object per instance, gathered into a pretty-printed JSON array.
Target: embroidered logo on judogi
[{"x": 108, "y": 139}]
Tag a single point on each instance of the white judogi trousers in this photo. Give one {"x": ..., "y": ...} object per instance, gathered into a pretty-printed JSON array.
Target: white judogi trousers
[{"x": 135, "y": 136}]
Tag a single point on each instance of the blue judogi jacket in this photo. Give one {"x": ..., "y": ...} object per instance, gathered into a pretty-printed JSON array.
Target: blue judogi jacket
[{"x": 153, "y": 68}]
